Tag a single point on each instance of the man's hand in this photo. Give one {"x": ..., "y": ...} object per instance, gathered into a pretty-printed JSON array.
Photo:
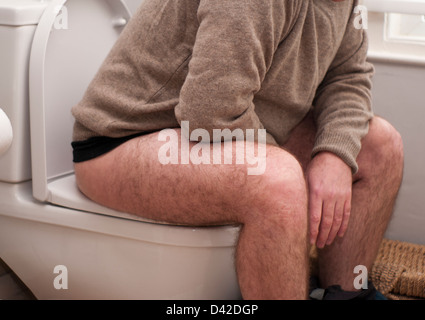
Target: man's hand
[{"x": 330, "y": 184}]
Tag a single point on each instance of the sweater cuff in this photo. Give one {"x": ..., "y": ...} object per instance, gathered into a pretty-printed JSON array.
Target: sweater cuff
[{"x": 342, "y": 145}]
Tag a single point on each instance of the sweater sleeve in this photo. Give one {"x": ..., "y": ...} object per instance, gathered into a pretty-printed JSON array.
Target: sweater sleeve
[
  {"x": 234, "y": 48},
  {"x": 342, "y": 107}
]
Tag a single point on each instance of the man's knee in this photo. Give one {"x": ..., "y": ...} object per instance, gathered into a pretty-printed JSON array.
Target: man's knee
[
  {"x": 281, "y": 192},
  {"x": 383, "y": 147},
  {"x": 286, "y": 175}
]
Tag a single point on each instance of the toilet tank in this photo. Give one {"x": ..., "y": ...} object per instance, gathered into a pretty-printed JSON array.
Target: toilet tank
[{"x": 18, "y": 21}]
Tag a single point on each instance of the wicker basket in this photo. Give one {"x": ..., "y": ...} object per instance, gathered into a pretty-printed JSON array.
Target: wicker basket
[{"x": 399, "y": 270}]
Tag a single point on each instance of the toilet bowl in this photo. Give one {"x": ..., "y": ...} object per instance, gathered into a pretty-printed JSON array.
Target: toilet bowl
[{"x": 59, "y": 243}]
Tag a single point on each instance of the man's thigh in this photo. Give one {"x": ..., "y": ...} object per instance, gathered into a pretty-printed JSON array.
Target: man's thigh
[{"x": 131, "y": 178}]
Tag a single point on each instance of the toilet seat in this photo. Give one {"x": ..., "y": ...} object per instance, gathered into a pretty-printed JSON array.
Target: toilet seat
[{"x": 59, "y": 75}]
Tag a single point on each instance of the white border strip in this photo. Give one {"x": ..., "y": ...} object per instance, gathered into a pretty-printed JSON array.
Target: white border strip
[
  {"x": 396, "y": 6},
  {"x": 386, "y": 57}
]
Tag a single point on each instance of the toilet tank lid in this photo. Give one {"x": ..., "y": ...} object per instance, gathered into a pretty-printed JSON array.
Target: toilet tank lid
[{"x": 21, "y": 12}]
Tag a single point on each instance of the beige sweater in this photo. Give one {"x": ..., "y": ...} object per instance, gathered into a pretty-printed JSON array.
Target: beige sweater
[{"x": 248, "y": 64}]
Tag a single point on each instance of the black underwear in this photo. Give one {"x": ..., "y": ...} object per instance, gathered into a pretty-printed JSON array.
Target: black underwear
[{"x": 97, "y": 146}]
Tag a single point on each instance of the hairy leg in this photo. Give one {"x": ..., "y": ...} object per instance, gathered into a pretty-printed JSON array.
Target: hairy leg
[
  {"x": 375, "y": 188},
  {"x": 271, "y": 254}
]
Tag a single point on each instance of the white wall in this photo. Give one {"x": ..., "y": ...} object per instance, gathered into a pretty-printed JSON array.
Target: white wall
[{"x": 399, "y": 96}]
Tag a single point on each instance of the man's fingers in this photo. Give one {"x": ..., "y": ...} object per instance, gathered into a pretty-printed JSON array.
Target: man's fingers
[
  {"x": 337, "y": 222},
  {"x": 326, "y": 223},
  {"x": 345, "y": 220},
  {"x": 330, "y": 182},
  {"x": 315, "y": 209}
]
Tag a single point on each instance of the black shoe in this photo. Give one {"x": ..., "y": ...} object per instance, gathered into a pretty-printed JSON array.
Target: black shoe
[{"x": 336, "y": 293}]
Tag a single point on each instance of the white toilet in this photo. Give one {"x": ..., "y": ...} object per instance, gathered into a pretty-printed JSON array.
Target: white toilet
[{"x": 60, "y": 244}]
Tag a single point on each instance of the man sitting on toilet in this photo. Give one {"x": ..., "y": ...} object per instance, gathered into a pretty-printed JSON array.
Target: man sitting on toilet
[{"x": 286, "y": 77}]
